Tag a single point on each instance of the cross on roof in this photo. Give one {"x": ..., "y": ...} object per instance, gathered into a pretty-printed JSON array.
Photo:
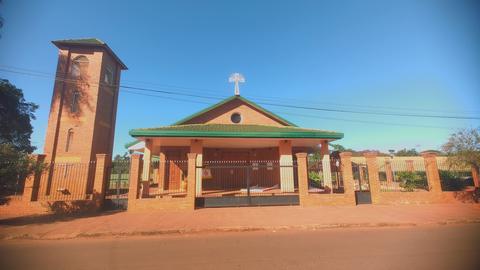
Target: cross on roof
[{"x": 236, "y": 78}]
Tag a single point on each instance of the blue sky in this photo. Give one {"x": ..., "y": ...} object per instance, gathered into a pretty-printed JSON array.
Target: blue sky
[{"x": 391, "y": 56}]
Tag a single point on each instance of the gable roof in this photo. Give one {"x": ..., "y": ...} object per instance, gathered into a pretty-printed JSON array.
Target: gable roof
[
  {"x": 225, "y": 101},
  {"x": 234, "y": 131},
  {"x": 95, "y": 42}
]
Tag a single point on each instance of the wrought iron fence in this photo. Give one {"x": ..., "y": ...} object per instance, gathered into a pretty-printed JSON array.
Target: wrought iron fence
[
  {"x": 397, "y": 174},
  {"x": 167, "y": 178},
  {"x": 360, "y": 175},
  {"x": 324, "y": 175},
  {"x": 248, "y": 178},
  {"x": 118, "y": 179},
  {"x": 66, "y": 181},
  {"x": 454, "y": 178},
  {"x": 12, "y": 178}
]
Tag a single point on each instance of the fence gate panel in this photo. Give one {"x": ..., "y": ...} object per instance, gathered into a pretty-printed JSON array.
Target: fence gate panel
[
  {"x": 116, "y": 194},
  {"x": 362, "y": 184},
  {"x": 246, "y": 183}
]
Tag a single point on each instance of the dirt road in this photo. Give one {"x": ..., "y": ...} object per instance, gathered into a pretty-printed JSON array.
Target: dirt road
[{"x": 425, "y": 247}]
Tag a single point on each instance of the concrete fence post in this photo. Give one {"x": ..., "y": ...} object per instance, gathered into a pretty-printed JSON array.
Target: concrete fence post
[
  {"x": 373, "y": 179},
  {"x": 100, "y": 180},
  {"x": 191, "y": 179},
  {"x": 32, "y": 182},
  {"x": 347, "y": 174},
  {"x": 302, "y": 177},
  {"x": 431, "y": 170},
  {"x": 134, "y": 177}
]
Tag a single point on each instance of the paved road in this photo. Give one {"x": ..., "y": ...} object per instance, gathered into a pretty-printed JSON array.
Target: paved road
[{"x": 434, "y": 247}]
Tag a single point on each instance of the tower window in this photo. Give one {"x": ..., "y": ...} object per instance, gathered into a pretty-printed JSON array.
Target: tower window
[
  {"x": 79, "y": 66},
  {"x": 68, "y": 146},
  {"x": 108, "y": 76},
  {"x": 74, "y": 105}
]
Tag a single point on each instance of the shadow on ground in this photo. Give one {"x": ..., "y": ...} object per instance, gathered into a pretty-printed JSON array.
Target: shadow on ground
[{"x": 52, "y": 218}]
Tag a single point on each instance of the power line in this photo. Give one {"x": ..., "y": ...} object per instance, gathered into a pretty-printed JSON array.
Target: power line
[
  {"x": 169, "y": 98},
  {"x": 267, "y": 99},
  {"x": 364, "y": 121},
  {"x": 288, "y": 113},
  {"x": 309, "y": 116},
  {"x": 277, "y": 104}
]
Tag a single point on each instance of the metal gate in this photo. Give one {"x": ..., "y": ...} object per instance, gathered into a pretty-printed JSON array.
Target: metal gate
[
  {"x": 247, "y": 183},
  {"x": 116, "y": 193},
  {"x": 362, "y": 184}
]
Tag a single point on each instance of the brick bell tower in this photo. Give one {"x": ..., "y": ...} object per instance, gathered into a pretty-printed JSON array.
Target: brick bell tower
[{"x": 84, "y": 103}]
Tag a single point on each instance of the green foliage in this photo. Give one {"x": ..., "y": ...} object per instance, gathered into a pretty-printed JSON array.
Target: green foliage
[
  {"x": 15, "y": 166},
  {"x": 121, "y": 164},
  {"x": 315, "y": 179},
  {"x": 463, "y": 149},
  {"x": 406, "y": 153},
  {"x": 454, "y": 180},
  {"x": 15, "y": 117},
  {"x": 338, "y": 147},
  {"x": 412, "y": 180}
]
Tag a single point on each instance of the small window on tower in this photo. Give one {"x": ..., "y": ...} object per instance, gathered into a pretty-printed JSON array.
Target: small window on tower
[
  {"x": 108, "y": 76},
  {"x": 68, "y": 146},
  {"x": 79, "y": 66},
  {"x": 74, "y": 105}
]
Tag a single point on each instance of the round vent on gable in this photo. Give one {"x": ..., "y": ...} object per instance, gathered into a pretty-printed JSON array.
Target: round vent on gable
[{"x": 236, "y": 118}]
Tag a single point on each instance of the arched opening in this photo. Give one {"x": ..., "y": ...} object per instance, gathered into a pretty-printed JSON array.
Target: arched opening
[
  {"x": 68, "y": 145},
  {"x": 79, "y": 66}
]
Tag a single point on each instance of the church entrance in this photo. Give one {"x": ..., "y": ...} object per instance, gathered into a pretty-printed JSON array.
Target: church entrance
[{"x": 237, "y": 177}]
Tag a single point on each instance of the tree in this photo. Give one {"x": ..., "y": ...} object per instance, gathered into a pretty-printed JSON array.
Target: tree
[
  {"x": 15, "y": 132},
  {"x": 15, "y": 117},
  {"x": 463, "y": 148},
  {"x": 405, "y": 153},
  {"x": 338, "y": 147}
]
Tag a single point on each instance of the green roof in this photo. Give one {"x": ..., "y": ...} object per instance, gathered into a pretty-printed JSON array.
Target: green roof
[
  {"x": 234, "y": 131},
  {"x": 251, "y": 103},
  {"x": 84, "y": 41},
  {"x": 88, "y": 42},
  {"x": 127, "y": 145}
]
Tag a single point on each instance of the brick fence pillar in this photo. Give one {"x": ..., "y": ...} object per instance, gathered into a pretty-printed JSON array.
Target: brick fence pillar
[
  {"x": 373, "y": 179},
  {"x": 32, "y": 182},
  {"x": 100, "y": 181},
  {"x": 302, "y": 177},
  {"x": 134, "y": 177},
  {"x": 475, "y": 176},
  {"x": 347, "y": 174},
  {"x": 431, "y": 169},
  {"x": 388, "y": 171},
  {"x": 191, "y": 179}
]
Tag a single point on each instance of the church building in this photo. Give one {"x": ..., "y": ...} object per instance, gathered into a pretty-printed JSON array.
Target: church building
[{"x": 233, "y": 131}]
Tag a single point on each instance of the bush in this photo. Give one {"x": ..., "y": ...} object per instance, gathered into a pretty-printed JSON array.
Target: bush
[
  {"x": 412, "y": 180},
  {"x": 15, "y": 166},
  {"x": 315, "y": 179},
  {"x": 454, "y": 180}
]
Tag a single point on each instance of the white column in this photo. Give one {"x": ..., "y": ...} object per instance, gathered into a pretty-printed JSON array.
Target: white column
[
  {"x": 198, "y": 179},
  {"x": 147, "y": 159},
  {"x": 327, "y": 171},
  {"x": 196, "y": 146},
  {"x": 286, "y": 166}
]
